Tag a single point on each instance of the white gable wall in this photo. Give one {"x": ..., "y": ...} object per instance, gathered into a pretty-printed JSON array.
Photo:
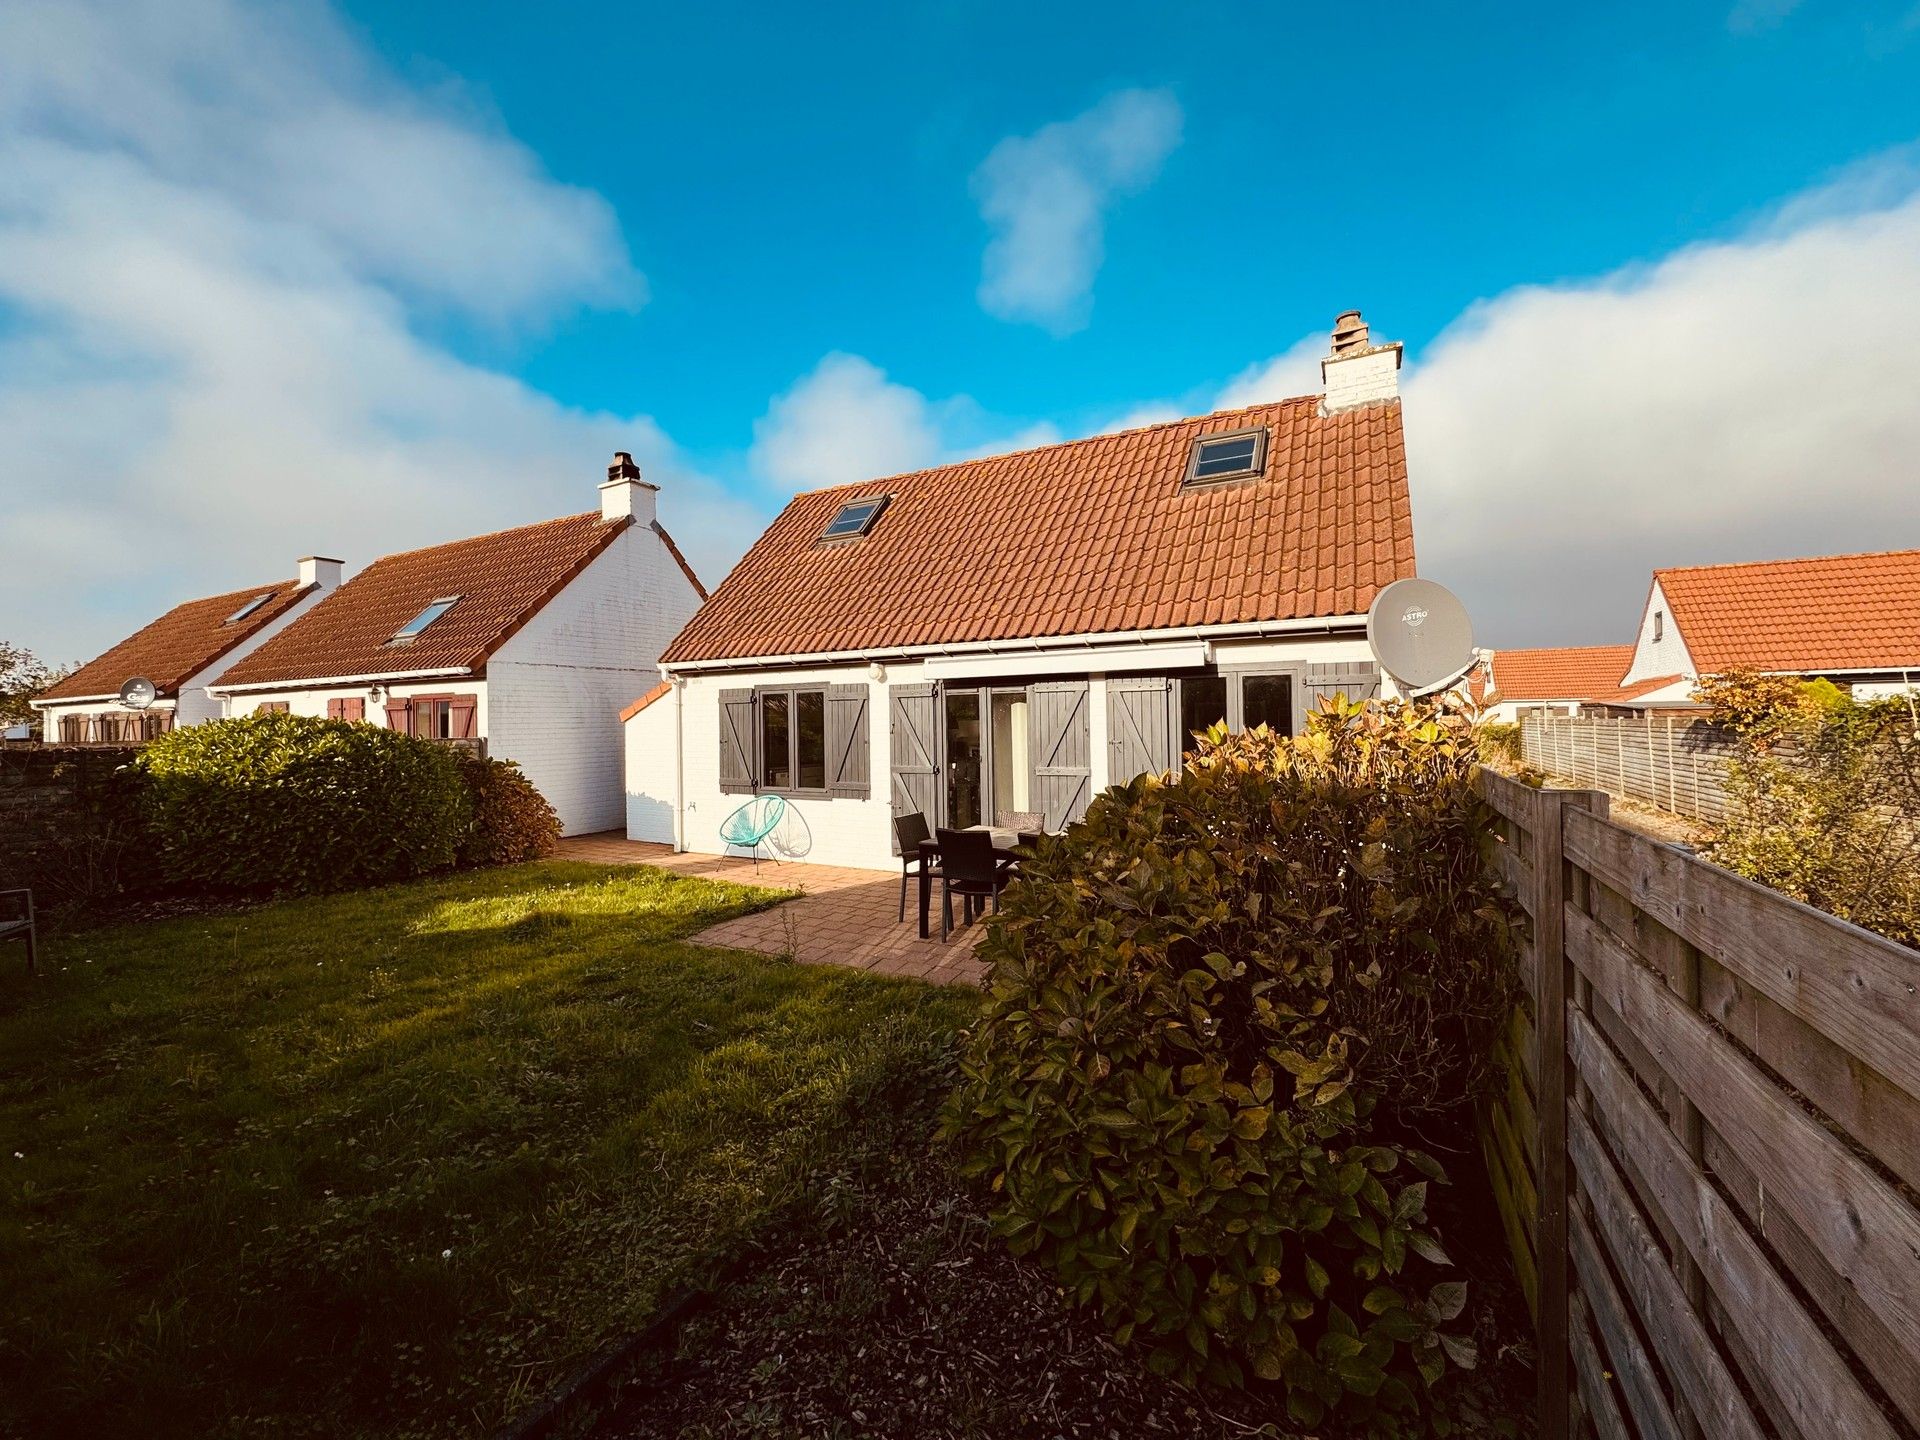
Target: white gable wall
[
  {"x": 1665, "y": 656},
  {"x": 557, "y": 687}
]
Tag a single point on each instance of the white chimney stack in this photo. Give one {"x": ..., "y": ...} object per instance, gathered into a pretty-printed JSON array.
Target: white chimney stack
[
  {"x": 624, "y": 493},
  {"x": 1357, "y": 372},
  {"x": 321, "y": 571}
]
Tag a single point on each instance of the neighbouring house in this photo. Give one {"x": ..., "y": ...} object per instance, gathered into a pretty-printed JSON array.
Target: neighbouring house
[
  {"x": 521, "y": 645},
  {"x": 1851, "y": 619},
  {"x": 180, "y": 653},
  {"x": 1016, "y": 633},
  {"x": 1564, "y": 680}
]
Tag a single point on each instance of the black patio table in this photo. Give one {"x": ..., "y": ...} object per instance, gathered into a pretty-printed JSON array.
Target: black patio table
[{"x": 1005, "y": 847}]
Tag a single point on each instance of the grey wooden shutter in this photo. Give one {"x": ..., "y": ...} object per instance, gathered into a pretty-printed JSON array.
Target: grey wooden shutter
[
  {"x": 1061, "y": 747},
  {"x": 913, "y": 751},
  {"x": 1356, "y": 681},
  {"x": 1139, "y": 726},
  {"x": 847, "y": 742},
  {"x": 736, "y": 742}
]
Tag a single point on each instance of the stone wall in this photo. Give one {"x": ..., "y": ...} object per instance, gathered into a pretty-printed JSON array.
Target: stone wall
[{"x": 67, "y": 828}]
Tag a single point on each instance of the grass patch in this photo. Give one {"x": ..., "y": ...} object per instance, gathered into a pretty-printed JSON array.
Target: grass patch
[{"x": 393, "y": 1162}]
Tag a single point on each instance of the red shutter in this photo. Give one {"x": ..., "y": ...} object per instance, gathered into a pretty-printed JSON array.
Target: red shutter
[
  {"x": 400, "y": 716},
  {"x": 354, "y": 709},
  {"x": 335, "y": 709},
  {"x": 460, "y": 717},
  {"x": 272, "y": 707}
]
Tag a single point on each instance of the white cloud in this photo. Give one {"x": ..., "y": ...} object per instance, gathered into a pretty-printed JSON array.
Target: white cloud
[
  {"x": 219, "y": 226},
  {"x": 845, "y": 421},
  {"x": 1294, "y": 371},
  {"x": 1046, "y": 195},
  {"x": 1746, "y": 399}
]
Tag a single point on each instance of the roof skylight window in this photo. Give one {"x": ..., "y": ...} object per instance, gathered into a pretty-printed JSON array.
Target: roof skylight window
[
  {"x": 247, "y": 609},
  {"x": 856, "y": 517},
  {"x": 411, "y": 630},
  {"x": 1227, "y": 457}
]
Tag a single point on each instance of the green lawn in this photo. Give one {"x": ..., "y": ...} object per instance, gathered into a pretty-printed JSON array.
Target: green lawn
[{"x": 392, "y": 1163}]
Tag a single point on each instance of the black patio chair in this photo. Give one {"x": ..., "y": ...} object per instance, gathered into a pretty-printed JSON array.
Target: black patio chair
[
  {"x": 971, "y": 869},
  {"x": 16, "y": 918},
  {"x": 909, "y": 831}
]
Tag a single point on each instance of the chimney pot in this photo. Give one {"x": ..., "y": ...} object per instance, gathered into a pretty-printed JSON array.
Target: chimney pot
[
  {"x": 1356, "y": 371},
  {"x": 624, "y": 494}
]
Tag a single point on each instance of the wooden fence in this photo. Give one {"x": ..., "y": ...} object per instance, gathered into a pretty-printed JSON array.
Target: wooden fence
[
  {"x": 1707, "y": 1152},
  {"x": 1672, "y": 763}
]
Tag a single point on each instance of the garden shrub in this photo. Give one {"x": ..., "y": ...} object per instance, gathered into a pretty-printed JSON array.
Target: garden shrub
[
  {"x": 1823, "y": 798},
  {"x": 1216, "y": 1009},
  {"x": 512, "y": 820},
  {"x": 291, "y": 803},
  {"x": 1500, "y": 743}
]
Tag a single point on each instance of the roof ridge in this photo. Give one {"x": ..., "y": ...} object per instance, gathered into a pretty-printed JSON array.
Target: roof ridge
[
  {"x": 1056, "y": 445},
  {"x": 484, "y": 535},
  {"x": 1789, "y": 560}
]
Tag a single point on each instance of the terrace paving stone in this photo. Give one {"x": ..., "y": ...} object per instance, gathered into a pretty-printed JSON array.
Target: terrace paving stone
[{"x": 842, "y": 916}]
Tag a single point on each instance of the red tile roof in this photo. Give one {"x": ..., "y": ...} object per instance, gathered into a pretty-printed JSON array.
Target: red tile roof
[
  {"x": 181, "y": 643},
  {"x": 501, "y": 579},
  {"x": 1589, "y": 673},
  {"x": 1092, "y": 536},
  {"x": 645, "y": 700},
  {"x": 1830, "y": 612}
]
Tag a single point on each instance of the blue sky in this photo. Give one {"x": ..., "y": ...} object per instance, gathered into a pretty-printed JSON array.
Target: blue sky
[{"x": 285, "y": 278}]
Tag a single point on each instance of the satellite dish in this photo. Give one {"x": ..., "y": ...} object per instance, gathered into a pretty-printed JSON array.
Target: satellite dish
[
  {"x": 1420, "y": 634},
  {"x": 138, "y": 693}
]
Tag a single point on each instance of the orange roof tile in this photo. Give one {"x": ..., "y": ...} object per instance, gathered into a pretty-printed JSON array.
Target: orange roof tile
[
  {"x": 502, "y": 580},
  {"x": 1829, "y": 612},
  {"x": 1092, "y": 536},
  {"x": 180, "y": 644},
  {"x": 645, "y": 700},
  {"x": 1563, "y": 673}
]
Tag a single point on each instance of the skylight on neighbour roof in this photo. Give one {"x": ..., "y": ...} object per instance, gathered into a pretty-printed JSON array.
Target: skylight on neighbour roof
[
  {"x": 856, "y": 517},
  {"x": 248, "y": 608},
  {"x": 1227, "y": 457},
  {"x": 426, "y": 617}
]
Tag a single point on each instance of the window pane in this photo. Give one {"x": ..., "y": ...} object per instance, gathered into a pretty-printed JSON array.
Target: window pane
[
  {"x": 1203, "y": 702},
  {"x": 1267, "y": 700},
  {"x": 776, "y": 764},
  {"x": 963, "y": 758},
  {"x": 1225, "y": 457},
  {"x": 810, "y": 724}
]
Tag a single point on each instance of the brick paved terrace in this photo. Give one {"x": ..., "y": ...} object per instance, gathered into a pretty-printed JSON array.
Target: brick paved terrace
[{"x": 842, "y": 916}]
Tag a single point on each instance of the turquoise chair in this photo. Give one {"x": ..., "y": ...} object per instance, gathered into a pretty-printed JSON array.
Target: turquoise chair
[{"x": 752, "y": 823}]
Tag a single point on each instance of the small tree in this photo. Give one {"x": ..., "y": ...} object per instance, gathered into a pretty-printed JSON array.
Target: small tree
[
  {"x": 23, "y": 676},
  {"x": 1823, "y": 798}
]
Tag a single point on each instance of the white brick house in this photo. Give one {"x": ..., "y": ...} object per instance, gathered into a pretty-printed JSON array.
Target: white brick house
[
  {"x": 1014, "y": 634},
  {"x": 181, "y": 653},
  {"x": 524, "y": 643}
]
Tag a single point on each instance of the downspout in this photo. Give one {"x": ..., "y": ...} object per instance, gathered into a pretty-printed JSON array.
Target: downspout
[{"x": 679, "y": 766}]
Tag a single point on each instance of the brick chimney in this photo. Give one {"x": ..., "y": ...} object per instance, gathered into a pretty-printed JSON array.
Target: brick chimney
[
  {"x": 320, "y": 570},
  {"x": 1356, "y": 371},
  {"x": 624, "y": 493}
]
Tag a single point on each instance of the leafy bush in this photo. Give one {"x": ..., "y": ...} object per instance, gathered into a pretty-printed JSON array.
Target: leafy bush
[
  {"x": 1500, "y": 743},
  {"x": 1823, "y": 798},
  {"x": 280, "y": 802},
  {"x": 512, "y": 821},
  {"x": 1210, "y": 1004}
]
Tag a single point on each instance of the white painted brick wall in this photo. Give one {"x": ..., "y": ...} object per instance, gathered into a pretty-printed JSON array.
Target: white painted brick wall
[
  {"x": 558, "y": 686},
  {"x": 1665, "y": 656},
  {"x": 1361, "y": 379}
]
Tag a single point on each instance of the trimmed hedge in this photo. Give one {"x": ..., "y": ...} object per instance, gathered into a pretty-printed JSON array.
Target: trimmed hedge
[
  {"x": 1217, "y": 1007},
  {"x": 512, "y": 821},
  {"x": 292, "y": 803}
]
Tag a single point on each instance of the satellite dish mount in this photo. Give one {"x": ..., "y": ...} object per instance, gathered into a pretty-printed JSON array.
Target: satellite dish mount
[{"x": 1419, "y": 632}]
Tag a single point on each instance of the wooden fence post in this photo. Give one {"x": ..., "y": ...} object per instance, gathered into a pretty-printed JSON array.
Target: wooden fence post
[{"x": 1550, "y": 1039}]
